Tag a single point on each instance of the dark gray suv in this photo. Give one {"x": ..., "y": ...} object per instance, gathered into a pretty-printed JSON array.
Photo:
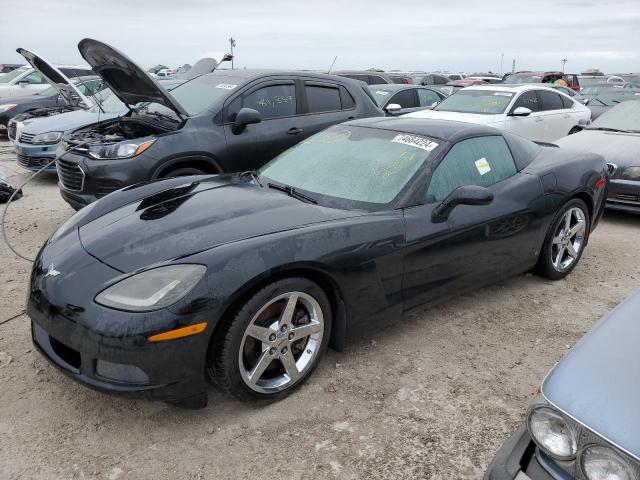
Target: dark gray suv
[{"x": 225, "y": 121}]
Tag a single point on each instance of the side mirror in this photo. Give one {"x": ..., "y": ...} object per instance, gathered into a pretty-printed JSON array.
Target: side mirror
[
  {"x": 246, "y": 116},
  {"x": 392, "y": 108},
  {"x": 521, "y": 112},
  {"x": 468, "y": 195},
  {"x": 586, "y": 101}
]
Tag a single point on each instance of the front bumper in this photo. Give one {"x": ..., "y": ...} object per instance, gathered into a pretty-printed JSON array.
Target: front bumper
[
  {"x": 624, "y": 195},
  {"x": 517, "y": 459},
  {"x": 34, "y": 157},
  {"x": 105, "y": 349}
]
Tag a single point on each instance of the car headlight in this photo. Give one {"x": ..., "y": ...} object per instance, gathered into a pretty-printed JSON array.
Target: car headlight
[
  {"x": 46, "y": 138},
  {"x": 7, "y": 106},
  {"x": 631, "y": 172},
  {"x": 126, "y": 149},
  {"x": 552, "y": 433},
  {"x": 153, "y": 289},
  {"x": 602, "y": 463}
]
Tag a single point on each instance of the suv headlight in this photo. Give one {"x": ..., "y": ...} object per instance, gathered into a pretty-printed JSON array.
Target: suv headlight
[
  {"x": 152, "y": 289},
  {"x": 47, "y": 138},
  {"x": 126, "y": 149},
  {"x": 602, "y": 463},
  {"x": 552, "y": 433}
]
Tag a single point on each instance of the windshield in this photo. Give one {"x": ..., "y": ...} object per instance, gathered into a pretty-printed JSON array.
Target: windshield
[
  {"x": 7, "y": 77},
  {"x": 380, "y": 96},
  {"x": 632, "y": 79},
  {"x": 487, "y": 102},
  {"x": 202, "y": 92},
  {"x": 109, "y": 102},
  {"x": 596, "y": 90},
  {"x": 625, "y": 116},
  {"x": 365, "y": 165},
  {"x": 585, "y": 82},
  {"x": 610, "y": 99},
  {"x": 523, "y": 79}
]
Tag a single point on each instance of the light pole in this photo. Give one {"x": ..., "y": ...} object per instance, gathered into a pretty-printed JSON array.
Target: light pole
[
  {"x": 232, "y": 44},
  {"x": 501, "y": 62},
  {"x": 563, "y": 61}
]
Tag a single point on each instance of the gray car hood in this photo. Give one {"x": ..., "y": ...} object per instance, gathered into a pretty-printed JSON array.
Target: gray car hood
[
  {"x": 53, "y": 75},
  {"x": 66, "y": 122},
  {"x": 127, "y": 80},
  {"x": 619, "y": 148},
  {"x": 597, "y": 382}
]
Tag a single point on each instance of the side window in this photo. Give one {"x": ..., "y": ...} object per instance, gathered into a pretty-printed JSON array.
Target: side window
[
  {"x": 272, "y": 102},
  {"x": 322, "y": 98},
  {"x": 405, "y": 98},
  {"x": 347, "y": 100},
  {"x": 376, "y": 80},
  {"x": 479, "y": 161},
  {"x": 550, "y": 100},
  {"x": 426, "y": 98},
  {"x": 34, "y": 78},
  {"x": 566, "y": 102},
  {"x": 528, "y": 100}
]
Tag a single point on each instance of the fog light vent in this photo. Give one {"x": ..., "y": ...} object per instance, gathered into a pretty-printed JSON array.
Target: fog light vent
[{"x": 121, "y": 372}]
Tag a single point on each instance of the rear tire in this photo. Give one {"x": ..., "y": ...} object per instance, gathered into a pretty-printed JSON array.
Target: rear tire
[
  {"x": 273, "y": 342},
  {"x": 565, "y": 241}
]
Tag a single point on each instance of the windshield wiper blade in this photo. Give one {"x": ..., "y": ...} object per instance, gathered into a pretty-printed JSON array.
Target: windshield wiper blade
[
  {"x": 292, "y": 192},
  {"x": 608, "y": 129}
]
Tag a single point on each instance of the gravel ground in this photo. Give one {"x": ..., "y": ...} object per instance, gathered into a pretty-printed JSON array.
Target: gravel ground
[{"x": 431, "y": 397}]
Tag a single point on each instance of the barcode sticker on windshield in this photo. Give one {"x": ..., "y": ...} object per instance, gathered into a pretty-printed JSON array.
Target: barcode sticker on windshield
[
  {"x": 503, "y": 94},
  {"x": 483, "y": 166},
  {"x": 226, "y": 86},
  {"x": 415, "y": 141}
]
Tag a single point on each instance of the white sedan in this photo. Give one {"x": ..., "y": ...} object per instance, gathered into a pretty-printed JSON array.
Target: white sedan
[
  {"x": 26, "y": 81},
  {"x": 535, "y": 112}
]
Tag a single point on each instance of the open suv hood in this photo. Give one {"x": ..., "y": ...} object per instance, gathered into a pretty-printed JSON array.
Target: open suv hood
[
  {"x": 53, "y": 75},
  {"x": 127, "y": 80}
]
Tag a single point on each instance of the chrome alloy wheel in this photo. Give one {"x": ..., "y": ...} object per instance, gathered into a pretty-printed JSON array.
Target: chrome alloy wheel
[
  {"x": 281, "y": 342},
  {"x": 568, "y": 239}
]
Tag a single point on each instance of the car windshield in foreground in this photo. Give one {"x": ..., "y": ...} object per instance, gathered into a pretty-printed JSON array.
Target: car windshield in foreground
[
  {"x": 202, "y": 92},
  {"x": 624, "y": 117},
  {"x": 523, "y": 79},
  {"x": 609, "y": 99},
  {"x": 380, "y": 96},
  {"x": 7, "y": 77},
  {"x": 367, "y": 166},
  {"x": 486, "y": 102}
]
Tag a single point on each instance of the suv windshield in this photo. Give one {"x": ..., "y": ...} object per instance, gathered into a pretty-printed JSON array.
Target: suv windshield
[
  {"x": 486, "y": 102},
  {"x": 202, "y": 92},
  {"x": 364, "y": 165},
  {"x": 625, "y": 116},
  {"x": 380, "y": 96},
  {"x": 523, "y": 79},
  {"x": 109, "y": 102},
  {"x": 7, "y": 77}
]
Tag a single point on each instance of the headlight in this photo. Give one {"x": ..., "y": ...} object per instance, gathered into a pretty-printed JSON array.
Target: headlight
[
  {"x": 7, "y": 106},
  {"x": 127, "y": 149},
  {"x": 631, "y": 172},
  {"x": 602, "y": 463},
  {"x": 552, "y": 433},
  {"x": 153, "y": 289},
  {"x": 49, "y": 137}
]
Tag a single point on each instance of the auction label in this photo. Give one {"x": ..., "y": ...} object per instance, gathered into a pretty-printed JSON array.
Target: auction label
[
  {"x": 226, "y": 86},
  {"x": 483, "y": 166},
  {"x": 415, "y": 141}
]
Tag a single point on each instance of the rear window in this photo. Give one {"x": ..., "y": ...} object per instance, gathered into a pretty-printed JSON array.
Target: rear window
[
  {"x": 486, "y": 102},
  {"x": 523, "y": 79}
]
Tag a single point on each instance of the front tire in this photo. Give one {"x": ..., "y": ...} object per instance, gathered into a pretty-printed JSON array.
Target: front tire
[
  {"x": 273, "y": 342},
  {"x": 565, "y": 241}
]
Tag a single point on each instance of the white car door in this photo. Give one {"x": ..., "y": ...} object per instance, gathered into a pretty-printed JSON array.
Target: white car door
[
  {"x": 557, "y": 121},
  {"x": 530, "y": 126},
  {"x": 28, "y": 84}
]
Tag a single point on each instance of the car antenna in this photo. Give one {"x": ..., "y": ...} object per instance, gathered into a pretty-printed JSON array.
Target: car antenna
[{"x": 332, "y": 64}]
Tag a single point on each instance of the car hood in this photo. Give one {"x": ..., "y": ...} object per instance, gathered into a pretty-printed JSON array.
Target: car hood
[
  {"x": 456, "y": 116},
  {"x": 65, "y": 122},
  {"x": 618, "y": 148},
  {"x": 127, "y": 80},
  {"x": 597, "y": 382},
  {"x": 160, "y": 221},
  {"x": 53, "y": 75}
]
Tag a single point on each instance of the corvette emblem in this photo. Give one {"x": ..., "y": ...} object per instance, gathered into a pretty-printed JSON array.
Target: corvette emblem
[{"x": 52, "y": 272}]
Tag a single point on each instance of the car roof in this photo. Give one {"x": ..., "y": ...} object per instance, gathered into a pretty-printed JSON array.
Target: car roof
[
  {"x": 250, "y": 73},
  {"x": 394, "y": 87},
  {"x": 447, "y": 130}
]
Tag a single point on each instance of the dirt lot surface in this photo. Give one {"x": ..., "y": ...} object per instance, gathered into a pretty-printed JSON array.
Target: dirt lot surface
[{"x": 431, "y": 397}]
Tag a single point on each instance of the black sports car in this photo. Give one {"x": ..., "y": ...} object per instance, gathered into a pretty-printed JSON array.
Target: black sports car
[{"x": 248, "y": 277}]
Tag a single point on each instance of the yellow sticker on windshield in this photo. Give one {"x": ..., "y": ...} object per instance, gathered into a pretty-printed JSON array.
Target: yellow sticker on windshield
[
  {"x": 483, "y": 166},
  {"x": 415, "y": 141}
]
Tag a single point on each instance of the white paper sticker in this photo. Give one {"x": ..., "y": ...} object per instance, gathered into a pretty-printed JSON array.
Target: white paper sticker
[
  {"x": 226, "y": 86},
  {"x": 382, "y": 92},
  {"x": 483, "y": 166},
  {"x": 415, "y": 141},
  {"x": 503, "y": 94}
]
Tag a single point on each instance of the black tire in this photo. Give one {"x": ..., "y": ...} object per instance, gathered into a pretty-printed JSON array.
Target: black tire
[
  {"x": 545, "y": 266},
  {"x": 223, "y": 364},
  {"x": 574, "y": 130},
  {"x": 183, "y": 172}
]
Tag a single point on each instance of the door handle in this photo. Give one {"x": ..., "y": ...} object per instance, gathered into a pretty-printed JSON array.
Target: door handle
[
  {"x": 294, "y": 131},
  {"x": 351, "y": 117}
]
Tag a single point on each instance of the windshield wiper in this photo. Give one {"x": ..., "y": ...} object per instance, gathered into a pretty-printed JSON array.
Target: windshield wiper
[
  {"x": 608, "y": 129},
  {"x": 292, "y": 192}
]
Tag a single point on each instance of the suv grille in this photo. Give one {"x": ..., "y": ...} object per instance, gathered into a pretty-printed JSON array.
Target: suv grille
[
  {"x": 71, "y": 175},
  {"x": 32, "y": 162},
  {"x": 26, "y": 138}
]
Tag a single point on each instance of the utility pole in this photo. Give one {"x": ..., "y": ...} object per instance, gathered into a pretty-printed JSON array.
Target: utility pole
[
  {"x": 513, "y": 65},
  {"x": 501, "y": 61},
  {"x": 563, "y": 61},
  {"x": 232, "y": 44}
]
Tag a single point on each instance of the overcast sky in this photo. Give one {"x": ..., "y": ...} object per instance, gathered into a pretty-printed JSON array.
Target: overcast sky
[{"x": 462, "y": 35}]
